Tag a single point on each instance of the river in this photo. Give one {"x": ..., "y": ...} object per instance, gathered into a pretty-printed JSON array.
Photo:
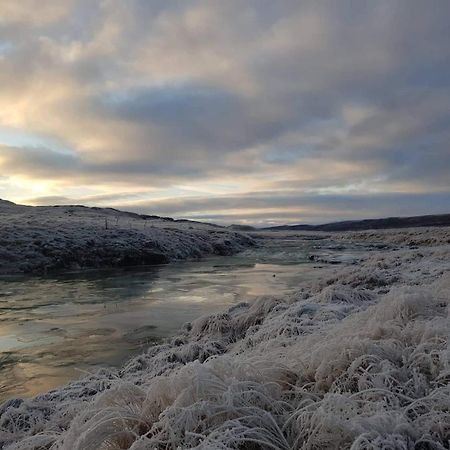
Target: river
[{"x": 53, "y": 329}]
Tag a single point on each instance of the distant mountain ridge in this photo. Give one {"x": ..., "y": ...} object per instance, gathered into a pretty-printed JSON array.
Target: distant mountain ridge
[
  {"x": 431, "y": 220},
  {"x": 435, "y": 220}
]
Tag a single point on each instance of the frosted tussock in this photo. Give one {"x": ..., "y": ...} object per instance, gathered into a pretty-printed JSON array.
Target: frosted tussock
[{"x": 358, "y": 359}]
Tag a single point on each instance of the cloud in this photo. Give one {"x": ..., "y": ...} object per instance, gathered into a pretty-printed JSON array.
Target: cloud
[
  {"x": 33, "y": 12},
  {"x": 38, "y": 162},
  {"x": 105, "y": 199},
  {"x": 149, "y": 95}
]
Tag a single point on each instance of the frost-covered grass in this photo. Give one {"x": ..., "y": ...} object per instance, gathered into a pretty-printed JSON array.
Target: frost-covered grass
[
  {"x": 41, "y": 239},
  {"x": 410, "y": 236},
  {"x": 358, "y": 358}
]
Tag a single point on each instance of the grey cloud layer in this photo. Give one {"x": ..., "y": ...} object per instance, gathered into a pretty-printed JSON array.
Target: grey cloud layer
[{"x": 282, "y": 95}]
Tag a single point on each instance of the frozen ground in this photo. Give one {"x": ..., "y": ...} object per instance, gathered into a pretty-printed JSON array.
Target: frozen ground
[
  {"x": 42, "y": 239},
  {"x": 358, "y": 358}
]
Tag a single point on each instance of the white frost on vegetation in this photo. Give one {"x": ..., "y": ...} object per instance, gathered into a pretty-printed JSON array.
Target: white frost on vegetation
[
  {"x": 358, "y": 359},
  {"x": 45, "y": 238}
]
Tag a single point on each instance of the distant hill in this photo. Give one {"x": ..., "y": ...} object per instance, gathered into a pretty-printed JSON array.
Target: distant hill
[
  {"x": 7, "y": 206},
  {"x": 239, "y": 227},
  {"x": 438, "y": 220},
  {"x": 41, "y": 239}
]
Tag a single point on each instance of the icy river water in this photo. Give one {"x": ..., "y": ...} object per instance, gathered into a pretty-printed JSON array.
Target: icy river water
[{"x": 54, "y": 329}]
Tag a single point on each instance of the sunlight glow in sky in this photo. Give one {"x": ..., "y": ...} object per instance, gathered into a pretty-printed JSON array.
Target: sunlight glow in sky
[{"x": 251, "y": 111}]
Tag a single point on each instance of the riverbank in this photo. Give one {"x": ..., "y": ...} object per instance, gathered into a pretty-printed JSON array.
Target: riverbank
[
  {"x": 357, "y": 358},
  {"x": 36, "y": 240}
]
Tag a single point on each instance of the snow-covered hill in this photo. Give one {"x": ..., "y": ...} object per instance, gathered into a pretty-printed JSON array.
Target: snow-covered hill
[
  {"x": 40, "y": 239},
  {"x": 358, "y": 358}
]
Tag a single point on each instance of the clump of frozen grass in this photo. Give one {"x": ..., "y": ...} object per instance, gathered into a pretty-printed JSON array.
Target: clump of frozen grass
[
  {"x": 233, "y": 325},
  {"x": 343, "y": 294}
]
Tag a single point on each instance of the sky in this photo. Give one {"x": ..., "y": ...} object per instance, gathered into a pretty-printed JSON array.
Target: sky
[{"x": 257, "y": 112}]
